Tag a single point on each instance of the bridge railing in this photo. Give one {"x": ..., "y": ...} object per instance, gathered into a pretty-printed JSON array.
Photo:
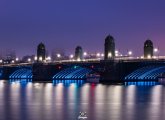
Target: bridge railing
[{"x": 125, "y": 58}]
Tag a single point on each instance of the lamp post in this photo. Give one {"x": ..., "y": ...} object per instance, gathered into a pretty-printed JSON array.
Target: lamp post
[
  {"x": 85, "y": 54},
  {"x": 29, "y": 59},
  {"x": 156, "y": 51},
  {"x": 130, "y": 54},
  {"x": 71, "y": 56}
]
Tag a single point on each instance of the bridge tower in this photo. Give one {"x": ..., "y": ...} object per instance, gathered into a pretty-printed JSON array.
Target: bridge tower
[
  {"x": 41, "y": 52},
  {"x": 148, "y": 49},
  {"x": 109, "y": 48},
  {"x": 78, "y": 53}
]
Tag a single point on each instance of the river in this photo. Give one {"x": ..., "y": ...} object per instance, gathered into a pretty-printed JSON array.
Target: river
[{"x": 64, "y": 100}]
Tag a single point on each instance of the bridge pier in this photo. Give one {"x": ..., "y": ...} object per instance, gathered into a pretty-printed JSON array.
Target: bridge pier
[
  {"x": 43, "y": 72},
  {"x": 112, "y": 72}
]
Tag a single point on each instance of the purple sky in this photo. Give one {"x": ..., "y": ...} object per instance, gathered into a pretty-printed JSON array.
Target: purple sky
[{"x": 65, "y": 24}]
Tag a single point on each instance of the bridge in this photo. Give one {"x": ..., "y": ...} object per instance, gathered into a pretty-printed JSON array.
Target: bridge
[
  {"x": 115, "y": 70},
  {"x": 111, "y": 66}
]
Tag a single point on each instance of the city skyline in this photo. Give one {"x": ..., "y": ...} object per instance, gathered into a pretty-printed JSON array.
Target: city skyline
[{"x": 24, "y": 26}]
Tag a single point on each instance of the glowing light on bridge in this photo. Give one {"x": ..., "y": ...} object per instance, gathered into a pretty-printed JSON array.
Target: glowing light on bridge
[
  {"x": 35, "y": 58},
  {"x": 71, "y": 56},
  {"x": 48, "y": 58},
  {"x": 116, "y": 51},
  {"x": 130, "y": 53},
  {"x": 12, "y": 61},
  {"x": 154, "y": 57},
  {"x": 98, "y": 54},
  {"x": 29, "y": 59},
  {"x": 149, "y": 56},
  {"x": 58, "y": 55},
  {"x": 155, "y": 50},
  {"x": 85, "y": 53},
  {"x": 109, "y": 55},
  {"x": 40, "y": 58},
  {"x": 78, "y": 59},
  {"x": 17, "y": 59}
]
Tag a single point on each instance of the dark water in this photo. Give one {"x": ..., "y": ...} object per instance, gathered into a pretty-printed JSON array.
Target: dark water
[{"x": 64, "y": 101}]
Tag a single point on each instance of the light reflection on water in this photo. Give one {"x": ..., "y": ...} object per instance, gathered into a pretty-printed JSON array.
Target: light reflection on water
[
  {"x": 62, "y": 100},
  {"x": 142, "y": 83}
]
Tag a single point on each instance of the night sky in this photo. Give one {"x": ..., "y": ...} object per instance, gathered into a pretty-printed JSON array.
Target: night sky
[{"x": 64, "y": 24}]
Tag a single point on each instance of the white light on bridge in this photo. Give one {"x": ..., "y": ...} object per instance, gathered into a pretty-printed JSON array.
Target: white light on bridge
[
  {"x": 58, "y": 55},
  {"x": 29, "y": 60},
  {"x": 109, "y": 55},
  {"x": 35, "y": 58},
  {"x": 155, "y": 50},
  {"x": 1, "y": 61},
  {"x": 149, "y": 56},
  {"x": 116, "y": 52},
  {"x": 154, "y": 57},
  {"x": 12, "y": 61},
  {"x": 17, "y": 59},
  {"x": 85, "y": 53},
  {"x": 98, "y": 54},
  {"x": 71, "y": 56},
  {"x": 48, "y": 58},
  {"x": 40, "y": 59},
  {"x": 78, "y": 59},
  {"x": 129, "y": 52},
  {"x": 102, "y": 55}
]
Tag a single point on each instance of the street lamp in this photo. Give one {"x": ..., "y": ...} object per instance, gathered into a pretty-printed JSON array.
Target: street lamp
[
  {"x": 85, "y": 53},
  {"x": 129, "y": 53},
  {"x": 48, "y": 58},
  {"x": 35, "y": 58},
  {"x": 149, "y": 56},
  {"x": 12, "y": 61},
  {"x": 29, "y": 59},
  {"x": 116, "y": 53},
  {"x": 156, "y": 50},
  {"x": 102, "y": 55},
  {"x": 17, "y": 59},
  {"x": 109, "y": 55},
  {"x": 58, "y": 55},
  {"x": 40, "y": 58},
  {"x": 71, "y": 56},
  {"x": 98, "y": 54}
]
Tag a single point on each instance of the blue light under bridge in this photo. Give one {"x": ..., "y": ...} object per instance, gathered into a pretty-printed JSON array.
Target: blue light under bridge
[
  {"x": 23, "y": 73},
  {"x": 75, "y": 72},
  {"x": 146, "y": 73}
]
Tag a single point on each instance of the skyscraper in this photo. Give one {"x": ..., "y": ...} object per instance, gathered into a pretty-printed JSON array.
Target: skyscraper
[
  {"x": 41, "y": 52},
  {"x": 148, "y": 49},
  {"x": 109, "y": 48}
]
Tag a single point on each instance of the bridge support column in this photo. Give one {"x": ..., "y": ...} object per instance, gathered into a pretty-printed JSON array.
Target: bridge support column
[{"x": 112, "y": 72}]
